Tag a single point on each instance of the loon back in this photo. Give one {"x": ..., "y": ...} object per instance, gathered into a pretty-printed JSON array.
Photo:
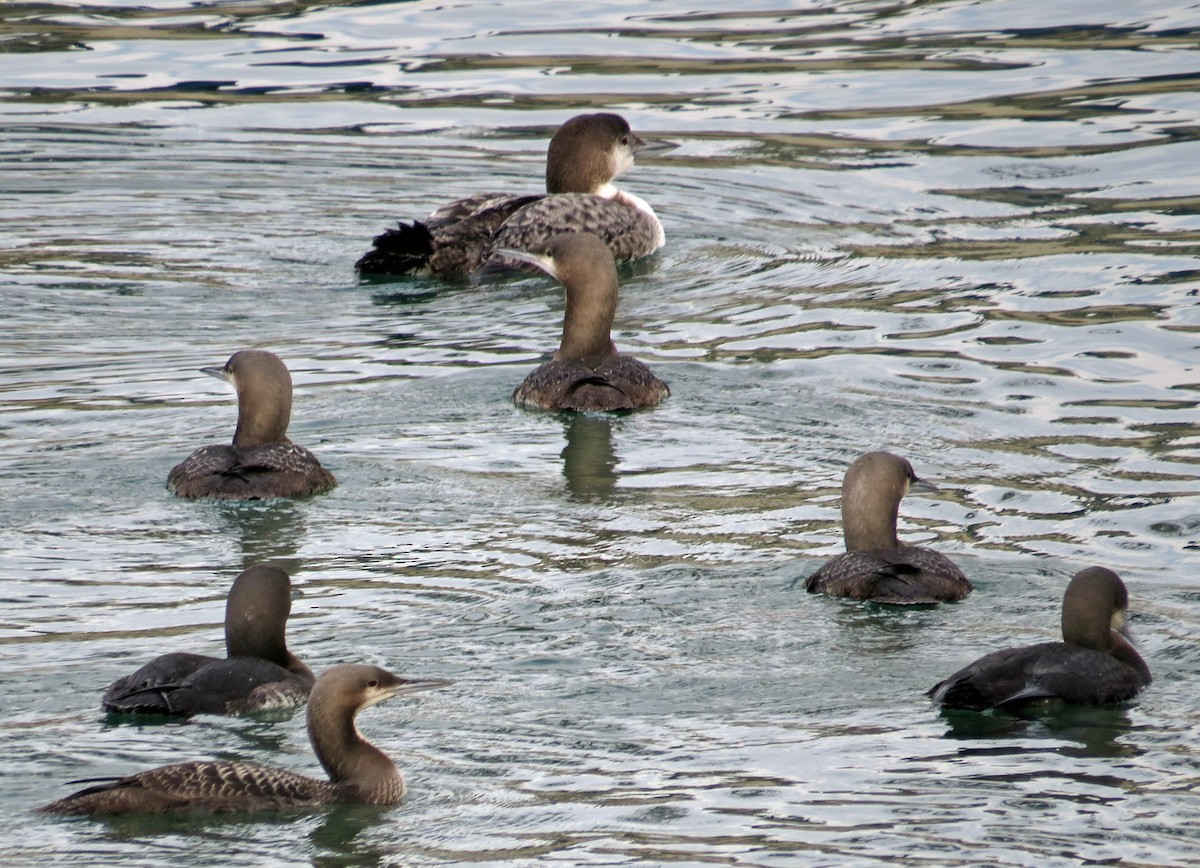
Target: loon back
[
  {"x": 455, "y": 241},
  {"x": 196, "y": 786},
  {"x": 254, "y": 473},
  {"x": 618, "y": 382},
  {"x": 463, "y": 240},
  {"x": 906, "y": 575},
  {"x": 1049, "y": 671},
  {"x": 233, "y": 686},
  {"x": 629, "y": 232}
]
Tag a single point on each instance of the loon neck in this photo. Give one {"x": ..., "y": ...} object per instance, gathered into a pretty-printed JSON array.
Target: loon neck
[
  {"x": 256, "y": 614},
  {"x": 589, "y": 276},
  {"x": 264, "y": 393},
  {"x": 869, "y": 520},
  {"x": 350, "y": 760},
  {"x": 872, "y": 490},
  {"x": 262, "y": 424}
]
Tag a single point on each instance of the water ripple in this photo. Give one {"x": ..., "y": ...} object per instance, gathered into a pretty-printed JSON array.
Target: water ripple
[{"x": 963, "y": 231}]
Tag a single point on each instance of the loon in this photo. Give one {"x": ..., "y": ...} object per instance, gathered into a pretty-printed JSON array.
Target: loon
[
  {"x": 586, "y": 154},
  {"x": 359, "y": 772},
  {"x": 261, "y": 463},
  {"x": 587, "y": 373},
  {"x": 258, "y": 672},
  {"x": 1093, "y": 665},
  {"x": 876, "y": 565}
]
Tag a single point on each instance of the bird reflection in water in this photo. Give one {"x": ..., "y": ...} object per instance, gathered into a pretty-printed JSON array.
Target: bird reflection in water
[
  {"x": 589, "y": 463},
  {"x": 266, "y": 530}
]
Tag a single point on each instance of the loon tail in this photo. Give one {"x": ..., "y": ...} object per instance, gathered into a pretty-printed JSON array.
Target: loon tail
[{"x": 402, "y": 250}]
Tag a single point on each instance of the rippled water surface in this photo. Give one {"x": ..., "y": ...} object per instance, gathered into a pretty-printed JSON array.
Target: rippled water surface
[{"x": 967, "y": 232}]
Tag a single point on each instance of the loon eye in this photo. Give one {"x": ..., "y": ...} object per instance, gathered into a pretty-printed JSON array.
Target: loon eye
[
  {"x": 373, "y": 683},
  {"x": 625, "y": 140}
]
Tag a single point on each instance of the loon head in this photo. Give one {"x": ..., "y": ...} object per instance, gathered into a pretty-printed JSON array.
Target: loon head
[
  {"x": 264, "y": 391},
  {"x": 872, "y": 490},
  {"x": 589, "y": 151}
]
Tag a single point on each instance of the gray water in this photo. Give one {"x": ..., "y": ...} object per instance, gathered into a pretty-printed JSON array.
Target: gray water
[{"x": 967, "y": 232}]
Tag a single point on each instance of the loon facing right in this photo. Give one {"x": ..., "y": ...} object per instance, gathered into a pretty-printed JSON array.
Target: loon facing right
[
  {"x": 257, "y": 673},
  {"x": 587, "y": 374},
  {"x": 585, "y": 156},
  {"x": 359, "y": 772},
  {"x": 876, "y": 565},
  {"x": 1093, "y": 665}
]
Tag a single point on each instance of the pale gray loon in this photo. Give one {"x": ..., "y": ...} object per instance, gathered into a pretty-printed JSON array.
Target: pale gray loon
[
  {"x": 359, "y": 772},
  {"x": 257, "y": 673},
  {"x": 585, "y": 156},
  {"x": 587, "y": 373},
  {"x": 262, "y": 462},
  {"x": 1093, "y": 665},
  {"x": 876, "y": 565}
]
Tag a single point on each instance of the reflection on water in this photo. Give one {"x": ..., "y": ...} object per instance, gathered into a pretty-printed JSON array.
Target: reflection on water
[
  {"x": 342, "y": 837},
  {"x": 1089, "y": 732},
  {"x": 589, "y": 463},
  {"x": 267, "y": 531},
  {"x": 965, "y": 232}
]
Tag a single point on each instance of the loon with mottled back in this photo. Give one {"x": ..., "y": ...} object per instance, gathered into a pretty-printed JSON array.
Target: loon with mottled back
[
  {"x": 359, "y": 772},
  {"x": 587, "y": 374},
  {"x": 585, "y": 156},
  {"x": 876, "y": 566},
  {"x": 257, "y": 673},
  {"x": 261, "y": 462}
]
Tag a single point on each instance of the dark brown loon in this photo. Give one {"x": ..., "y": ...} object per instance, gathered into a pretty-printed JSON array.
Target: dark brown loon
[
  {"x": 258, "y": 673},
  {"x": 585, "y": 156},
  {"x": 1093, "y": 665},
  {"x": 876, "y": 565},
  {"x": 261, "y": 463},
  {"x": 587, "y": 373},
  {"x": 358, "y": 771}
]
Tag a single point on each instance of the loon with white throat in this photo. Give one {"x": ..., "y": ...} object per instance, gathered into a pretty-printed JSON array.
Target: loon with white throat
[
  {"x": 584, "y": 158},
  {"x": 359, "y": 772}
]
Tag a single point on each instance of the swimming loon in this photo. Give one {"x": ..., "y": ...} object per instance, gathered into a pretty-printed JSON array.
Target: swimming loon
[
  {"x": 876, "y": 565},
  {"x": 257, "y": 673},
  {"x": 358, "y": 771},
  {"x": 1093, "y": 665},
  {"x": 261, "y": 463},
  {"x": 587, "y": 373},
  {"x": 586, "y": 154}
]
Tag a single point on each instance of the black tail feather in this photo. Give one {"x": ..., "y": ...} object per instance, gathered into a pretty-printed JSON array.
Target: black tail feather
[{"x": 402, "y": 250}]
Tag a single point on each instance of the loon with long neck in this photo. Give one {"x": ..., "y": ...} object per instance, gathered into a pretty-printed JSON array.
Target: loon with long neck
[
  {"x": 876, "y": 566},
  {"x": 585, "y": 156},
  {"x": 359, "y": 772},
  {"x": 261, "y": 462},
  {"x": 587, "y": 373},
  {"x": 258, "y": 672},
  {"x": 1094, "y": 664}
]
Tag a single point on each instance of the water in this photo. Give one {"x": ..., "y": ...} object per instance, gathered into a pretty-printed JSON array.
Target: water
[{"x": 966, "y": 232}]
